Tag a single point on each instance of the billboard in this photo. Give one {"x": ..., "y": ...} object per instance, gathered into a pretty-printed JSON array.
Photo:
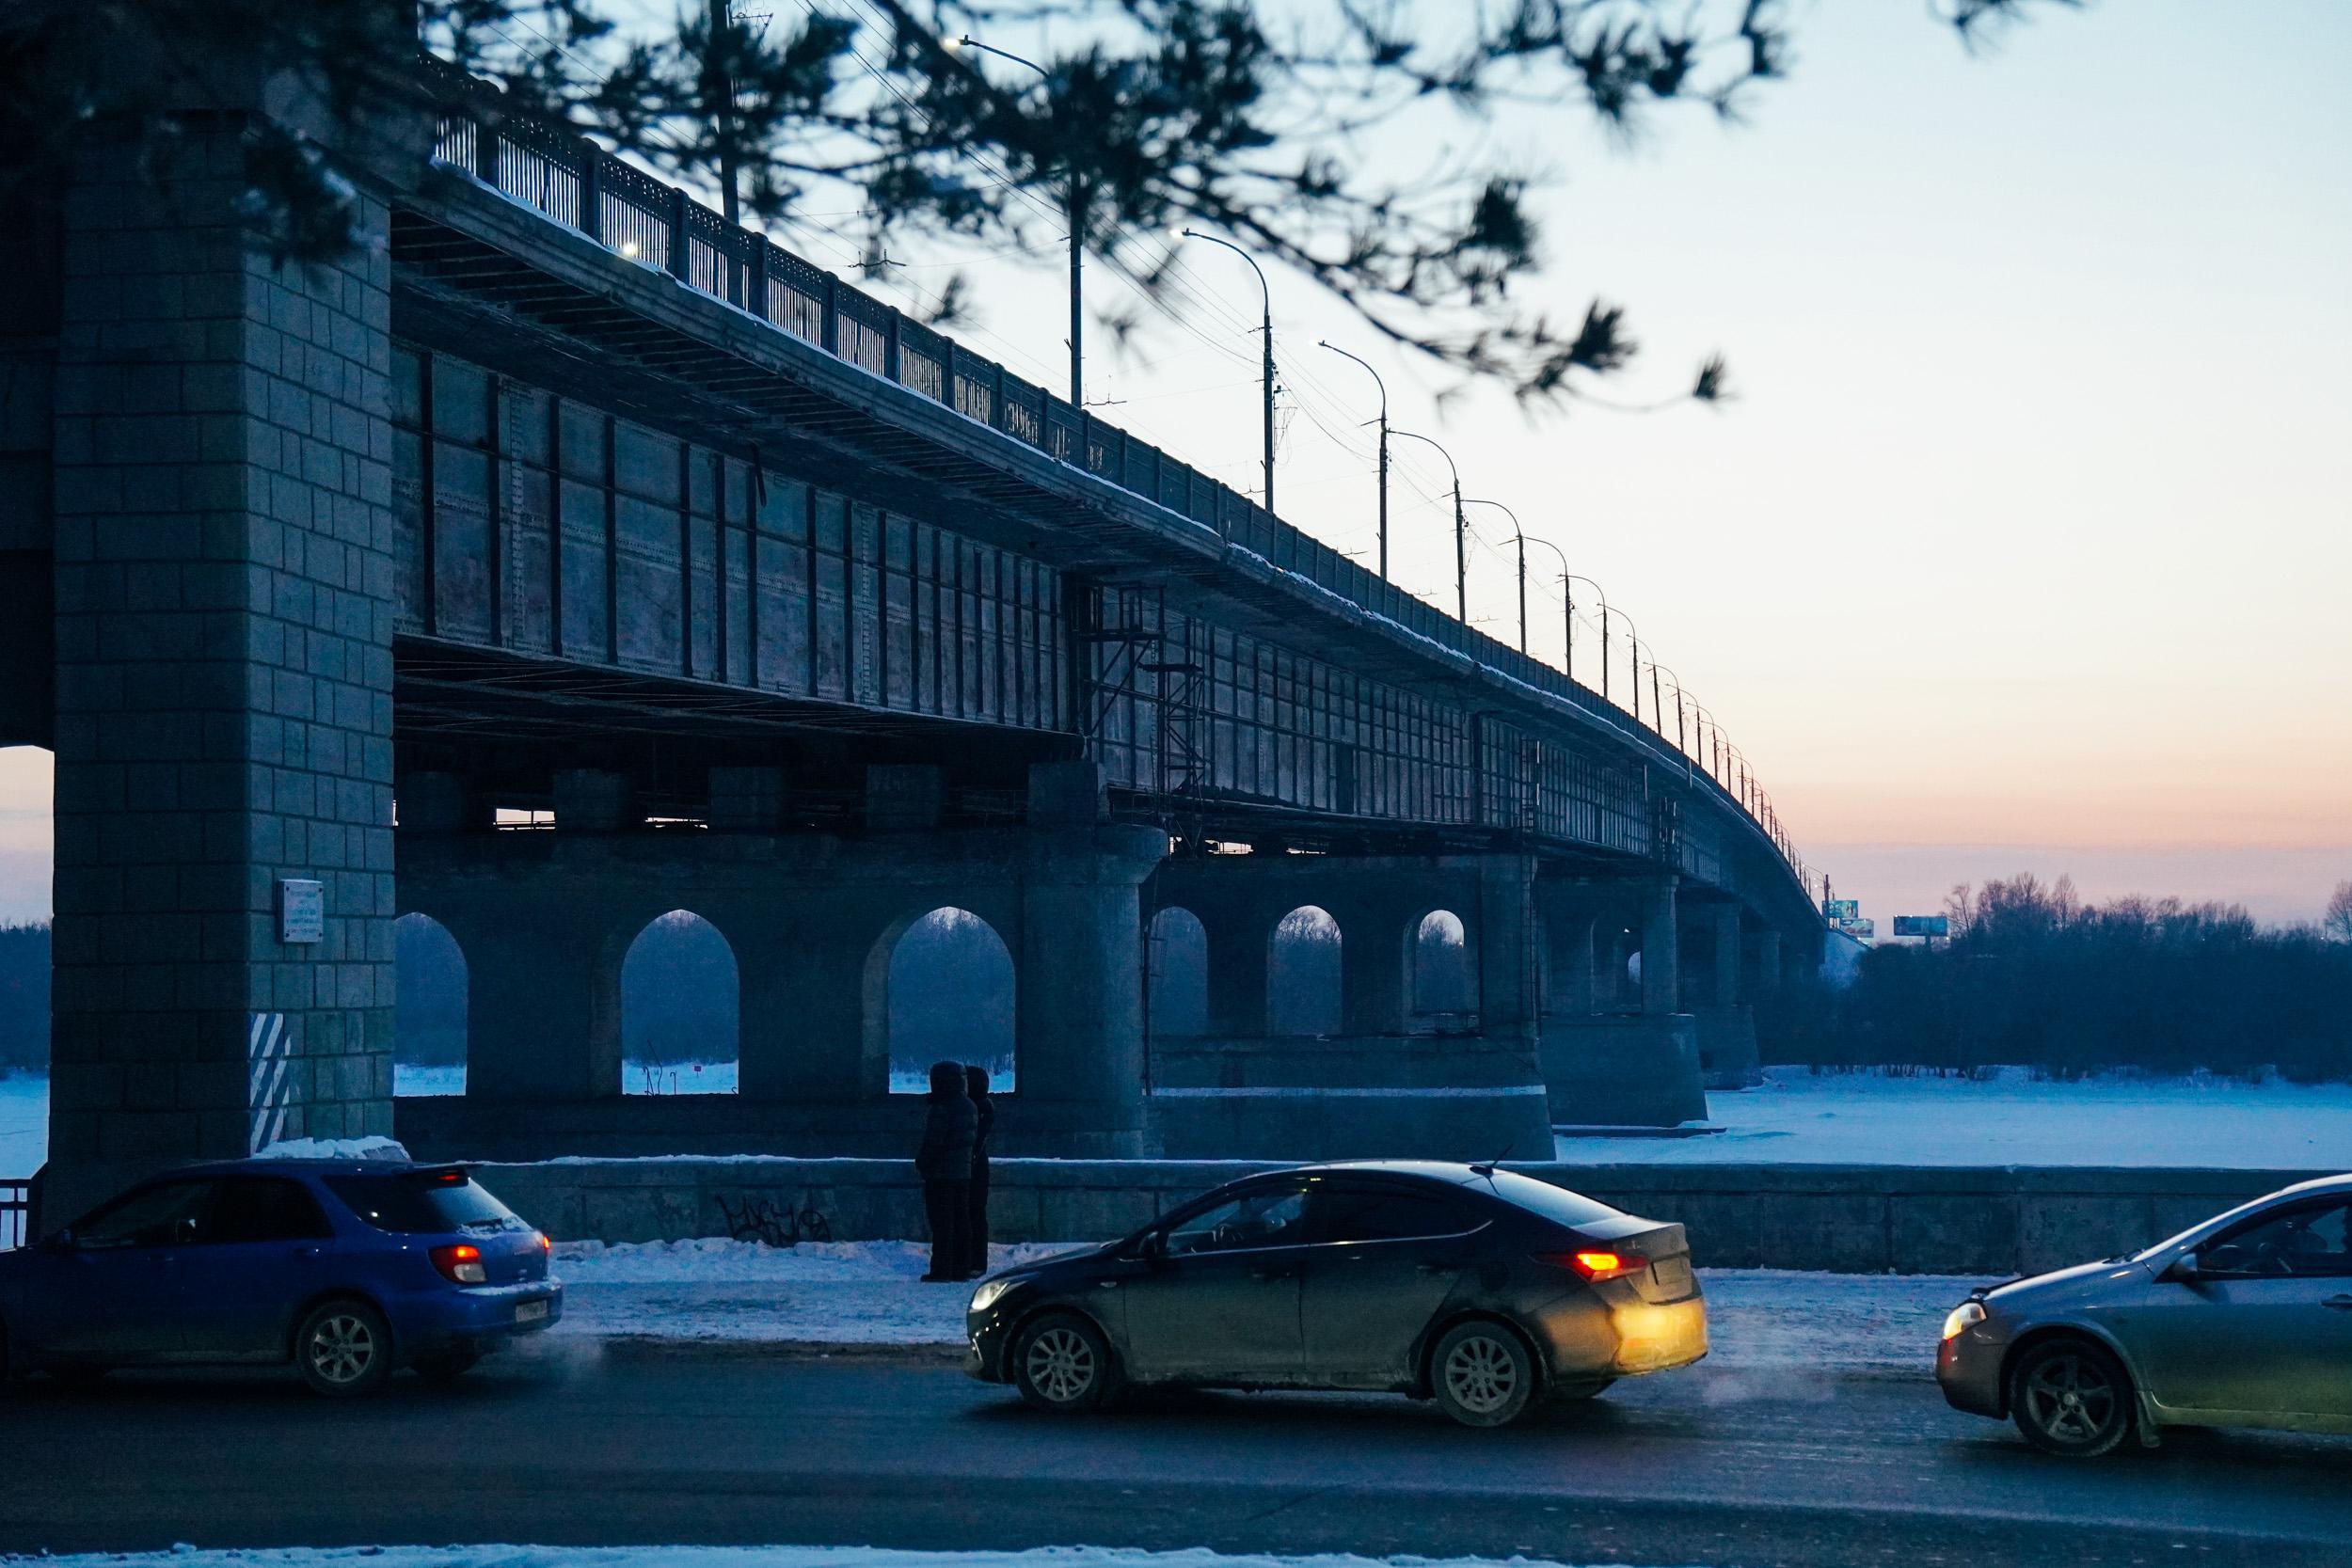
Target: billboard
[
  {"x": 1834, "y": 909},
  {"x": 1857, "y": 926},
  {"x": 1923, "y": 926}
]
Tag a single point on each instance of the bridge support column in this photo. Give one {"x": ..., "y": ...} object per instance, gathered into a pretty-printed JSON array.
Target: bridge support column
[
  {"x": 1507, "y": 964},
  {"x": 1569, "y": 931},
  {"x": 1727, "y": 1024},
  {"x": 1603, "y": 1066},
  {"x": 1240, "y": 938},
  {"x": 543, "y": 1014},
  {"x": 222, "y": 494}
]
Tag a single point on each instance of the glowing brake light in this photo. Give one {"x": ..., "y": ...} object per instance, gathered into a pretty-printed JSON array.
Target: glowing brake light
[
  {"x": 1596, "y": 1265},
  {"x": 547, "y": 1242},
  {"x": 460, "y": 1264}
]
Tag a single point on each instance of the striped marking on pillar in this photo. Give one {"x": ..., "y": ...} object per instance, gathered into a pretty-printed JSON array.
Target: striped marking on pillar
[{"x": 266, "y": 1053}]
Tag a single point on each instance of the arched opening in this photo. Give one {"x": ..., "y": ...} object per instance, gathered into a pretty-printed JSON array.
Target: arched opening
[
  {"x": 681, "y": 1010},
  {"x": 428, "y": 1008},
  {"x": 1179, "y": 995},
  {"x": 27, "y": 775},
  {"x": 1303, "y": 973},
  {"x": 1445, "y": 992},
  {"x": 949, "y": 998}
]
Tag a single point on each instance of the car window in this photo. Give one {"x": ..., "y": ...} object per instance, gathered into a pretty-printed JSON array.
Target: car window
[
  {"x": 1274, "y": 1216},
  {"x": 1386, "y": 1215},
  {"x": 2309, "y": 1239},
  {"x": 1553, "y": 1203},
  {"x": 414, "y": 1203},
  {"x": 263, "y": 1208},
  {"x": 164, "y": 1214}
]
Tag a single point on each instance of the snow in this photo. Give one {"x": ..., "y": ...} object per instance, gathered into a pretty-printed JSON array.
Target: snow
[
  {"x": 24, "y": 1126},
  {"x": 870, "y": 1294},
  {"x": 734, "y": 1556},
  {"x": 422, "y": 1078},
  {"x": 378, "y": 1147},
  {"x": 1874, "y": 1118}
]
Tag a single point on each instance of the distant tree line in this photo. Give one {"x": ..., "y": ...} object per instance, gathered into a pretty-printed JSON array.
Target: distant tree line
[
  {"x": 24, "y": 999},
  {"x": 2034, "y": 977}
]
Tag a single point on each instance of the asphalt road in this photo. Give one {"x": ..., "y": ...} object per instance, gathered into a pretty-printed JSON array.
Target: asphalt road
[{"x": 580, "y": 1444}]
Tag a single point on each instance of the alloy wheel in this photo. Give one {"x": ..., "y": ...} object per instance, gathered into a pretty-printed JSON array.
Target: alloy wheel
[
  {"x": 2071, "y": 1397},
  {"x": 342, "y": 1349},
  {"x": 1482, "y": 1374},
  {"x": 1062, "y": 1365}
]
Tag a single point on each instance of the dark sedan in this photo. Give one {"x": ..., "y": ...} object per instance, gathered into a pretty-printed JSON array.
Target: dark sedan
[
  {"x": 1485, "y": 1290},
  {"x": 346, "y": 1269}
]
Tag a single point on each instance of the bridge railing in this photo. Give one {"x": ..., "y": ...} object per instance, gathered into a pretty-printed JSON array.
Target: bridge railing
[{"x": 570, "y": 180}]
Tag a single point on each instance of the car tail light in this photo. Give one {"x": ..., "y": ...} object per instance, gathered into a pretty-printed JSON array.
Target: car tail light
[
  {"x": 1596, "y": 1265},
  {"x": 547, "y": 1242},
  {"x": 460, "y": 1264}
]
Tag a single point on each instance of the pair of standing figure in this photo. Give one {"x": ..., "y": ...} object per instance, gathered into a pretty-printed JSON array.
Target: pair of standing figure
[{"x": 953, "y": 1164}]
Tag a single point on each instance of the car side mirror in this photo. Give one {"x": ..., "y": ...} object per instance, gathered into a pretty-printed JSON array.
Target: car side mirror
[{"x": 2182, "y": 1270}]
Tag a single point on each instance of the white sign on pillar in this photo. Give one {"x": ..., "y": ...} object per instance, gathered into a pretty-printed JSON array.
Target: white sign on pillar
[{"x": 301, "y": 909}]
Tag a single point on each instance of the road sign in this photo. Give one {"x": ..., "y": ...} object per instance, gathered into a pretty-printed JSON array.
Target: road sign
[
  {"x": 1834, "y": 909},
  {"x": 1923, "y": 926}
]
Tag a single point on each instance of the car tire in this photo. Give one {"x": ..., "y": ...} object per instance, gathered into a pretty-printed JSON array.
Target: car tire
[
  {"x": 446, "y": 1368},
  {"x": 1061, "y": 1363},
  {"x": 2071, "y": 1397},
  {"x": 1483, "y": 1375},
  {"x": 344, "y": 1348}
]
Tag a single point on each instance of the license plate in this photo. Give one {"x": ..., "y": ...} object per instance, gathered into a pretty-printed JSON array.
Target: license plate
[
  {"x": 1672, "y": 1274},
  {"x": 530, "y": 1311}
]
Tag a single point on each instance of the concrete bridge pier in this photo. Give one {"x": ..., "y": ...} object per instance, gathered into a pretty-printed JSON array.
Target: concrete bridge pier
[
  {"x": 1718, "y": 1001},
  {"x": 1365, "y": 1066},
  {"x": 1607, "y": 1060}
]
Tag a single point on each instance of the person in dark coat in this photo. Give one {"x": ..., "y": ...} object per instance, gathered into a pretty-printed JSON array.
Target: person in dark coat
[
  {"x": 944, "y": 1163},
  {"x": 976, "y": 1228}
]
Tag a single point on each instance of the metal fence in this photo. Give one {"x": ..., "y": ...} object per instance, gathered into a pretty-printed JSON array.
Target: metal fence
[{"x": 572, "y": 181}]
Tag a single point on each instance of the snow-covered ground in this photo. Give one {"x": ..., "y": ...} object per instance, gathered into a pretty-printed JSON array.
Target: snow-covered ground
[
  {"x": 870, "y": 1294},
  {"x": 732, "y": 1557},
  {"x": 1872, "y": 1118},
  {"x": 24, "y": 1126}
]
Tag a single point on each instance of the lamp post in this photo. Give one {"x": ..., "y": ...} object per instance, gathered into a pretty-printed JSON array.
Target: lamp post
[
  {"x": 1461, "y": 533},
  {"x": 1383, "y": 451},
  {"x": 1521, "y": 535},
  {"x": 1266, "y": 363},
  {"x": 1681, "y": 731},
  {"x": 1565, "y": 579},
  {"x": 1567, "y": 617},
  {"x": 1077, "y": 229}
]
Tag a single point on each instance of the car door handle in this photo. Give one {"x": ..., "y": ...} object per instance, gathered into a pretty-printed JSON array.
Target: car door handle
[
  {"x": 2341, "y": 1304},
  {"x": 1434, "y": 1269},
  {"x": 1273, "y": 1273},
  {"x": 304, "y": 1252}
]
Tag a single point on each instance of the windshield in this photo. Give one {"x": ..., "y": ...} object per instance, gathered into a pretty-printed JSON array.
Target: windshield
[
  {"x": 1553, "y": 1203},
  {"x": 417, "y": 1203}
]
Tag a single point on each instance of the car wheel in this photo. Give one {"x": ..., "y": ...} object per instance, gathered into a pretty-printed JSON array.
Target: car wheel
[
  {"x": 343, "y": 1348},
  {"x": 1482, "y": 1375},
  {"x": 1061, "y": 1363},
  {"x": 447, "y": 1367},
  {"x": 2071, "y": 1397}
]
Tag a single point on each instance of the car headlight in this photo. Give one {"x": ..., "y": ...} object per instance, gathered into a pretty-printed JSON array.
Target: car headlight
[
  {"x": 989, "y": 1293},
  {"x": 1967, "y": 1315}
]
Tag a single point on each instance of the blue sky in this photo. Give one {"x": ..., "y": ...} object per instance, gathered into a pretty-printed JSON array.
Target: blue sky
[{"x": 2026, "y": 544}]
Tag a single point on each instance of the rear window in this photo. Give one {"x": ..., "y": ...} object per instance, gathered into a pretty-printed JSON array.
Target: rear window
[
  {"x": 423, "y": 1203},
  {"x": 1553, "y": 1203}
]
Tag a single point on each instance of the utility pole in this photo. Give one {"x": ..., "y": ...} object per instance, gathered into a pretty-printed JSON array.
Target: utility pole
[
  {"x": 1267, "y": 361},
  {"x": 1461, "y": 532},
  {"x": 1383, "y": 454},
  {"x": 1520, "y": 535},
  {"x": 1077, "y": 219},
  {"x": 719, "y": 93}
]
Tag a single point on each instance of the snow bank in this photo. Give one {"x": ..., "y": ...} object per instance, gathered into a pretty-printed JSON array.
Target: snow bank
[
  {"x": 733, "y": 1556},
  {"x": 871, "y": 1293}
]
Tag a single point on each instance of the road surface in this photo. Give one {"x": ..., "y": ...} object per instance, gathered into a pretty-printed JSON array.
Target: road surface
[{"x": 581, "y": 1444}]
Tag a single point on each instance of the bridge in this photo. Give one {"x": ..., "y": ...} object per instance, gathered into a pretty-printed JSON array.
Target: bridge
[{"x": 568, "y": 555}]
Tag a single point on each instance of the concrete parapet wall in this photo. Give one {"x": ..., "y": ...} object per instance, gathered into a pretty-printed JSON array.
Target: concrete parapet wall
[{"x": 1992, "y": 1222}]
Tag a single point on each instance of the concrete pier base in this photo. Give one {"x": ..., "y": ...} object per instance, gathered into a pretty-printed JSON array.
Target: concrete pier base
[
  {"x": 1727, "y": 1051},
  {"x": 1629, "y": 1069}
]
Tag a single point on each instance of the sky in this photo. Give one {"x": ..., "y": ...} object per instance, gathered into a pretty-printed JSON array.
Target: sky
[{"x": 2025, "y": 544}]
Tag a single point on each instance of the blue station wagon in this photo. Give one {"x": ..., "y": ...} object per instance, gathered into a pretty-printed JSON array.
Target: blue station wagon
[{"x": 348, "y": 1269}]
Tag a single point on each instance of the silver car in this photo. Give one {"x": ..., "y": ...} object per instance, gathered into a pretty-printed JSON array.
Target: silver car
[{"x": 2243, "y": 1321}]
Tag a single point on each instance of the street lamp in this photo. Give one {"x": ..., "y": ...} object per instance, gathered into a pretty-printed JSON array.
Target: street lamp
[
  {"x": 1077, "y": 230},
  {"x": 1383, "y": 451},
  {"x": 1266, "y": 364},
  {"x": 1681, "y": 733},
  {"x": 1568, "y": 601},
  {"x": 1461, "y": 533},
  {"x": 1565, "y": 579},
  {"x": 1521, "y": 535}
]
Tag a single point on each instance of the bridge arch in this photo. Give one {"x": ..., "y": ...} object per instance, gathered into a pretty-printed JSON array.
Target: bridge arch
[
  {"x": 1177, "y": 1002},
  {"x": 941, "y": 986},
  {"x": 1303, "y": 958},
  {"x": 681, "y": 1009},
  {"x": 432, "y": 995},
  {"x": 1443, "y": 973}
]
